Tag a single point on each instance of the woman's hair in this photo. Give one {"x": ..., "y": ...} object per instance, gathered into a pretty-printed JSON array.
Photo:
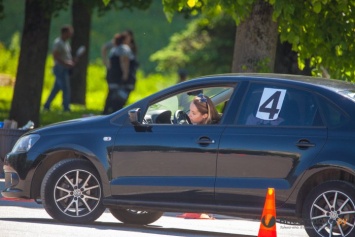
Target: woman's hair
[
  {"x": 132, "y": 44},
  {"x": 205, "y": 106},
  {"x": 120, "y": 38}
]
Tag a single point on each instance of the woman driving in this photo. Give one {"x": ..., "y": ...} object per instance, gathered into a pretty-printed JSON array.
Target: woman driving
[{"x": 202, "y": 111}]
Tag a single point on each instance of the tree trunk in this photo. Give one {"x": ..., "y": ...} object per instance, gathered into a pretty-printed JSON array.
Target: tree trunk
[
  {"x": 256, "y": 40},
  {"x": 26, "y": 100},
  {"x": 81, "y": 15}
]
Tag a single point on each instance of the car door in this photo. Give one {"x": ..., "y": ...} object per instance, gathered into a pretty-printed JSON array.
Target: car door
[
  {"x": 161, "y": 161},
  {"x": 279, "y": 130}
]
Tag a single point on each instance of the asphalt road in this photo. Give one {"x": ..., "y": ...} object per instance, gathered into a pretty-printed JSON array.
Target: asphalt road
[{"x": 28, "y": 219}]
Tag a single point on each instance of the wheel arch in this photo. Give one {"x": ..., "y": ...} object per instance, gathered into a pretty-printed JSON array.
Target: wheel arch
[
  {"x": 53, "y": 157},
  {"x": 321, "y": 176}
]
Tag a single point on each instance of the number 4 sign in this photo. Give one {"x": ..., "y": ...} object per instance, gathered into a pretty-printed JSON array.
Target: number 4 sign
[{"x": 270, "y": 104}]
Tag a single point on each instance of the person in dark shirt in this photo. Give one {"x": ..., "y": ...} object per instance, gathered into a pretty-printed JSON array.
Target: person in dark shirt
[{"x": 121, "y": 75}]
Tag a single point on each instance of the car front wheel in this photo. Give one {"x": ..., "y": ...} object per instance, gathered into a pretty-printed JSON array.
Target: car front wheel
[
  {"x": 129, "y": 216},
  {"x": 71, "y": 192},
  {"x": 329, "y": 210}
]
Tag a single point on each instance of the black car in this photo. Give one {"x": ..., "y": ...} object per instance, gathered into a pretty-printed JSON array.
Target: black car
[{"x": 295, "y": 134}]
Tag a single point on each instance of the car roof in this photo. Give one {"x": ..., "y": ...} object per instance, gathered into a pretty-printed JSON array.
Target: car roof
[{"x": 331, "y": 84}]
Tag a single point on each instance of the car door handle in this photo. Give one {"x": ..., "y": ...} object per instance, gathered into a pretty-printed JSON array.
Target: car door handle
[
  {"x": 205, "y": 141},
  {"x": 304, "y": 144}
]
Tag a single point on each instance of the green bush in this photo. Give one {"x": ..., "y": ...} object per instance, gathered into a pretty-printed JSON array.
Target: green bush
[{"x": 9, "y": 57}]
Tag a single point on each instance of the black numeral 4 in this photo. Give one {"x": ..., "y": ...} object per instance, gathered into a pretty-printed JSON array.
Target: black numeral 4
[{"x": 271, "y": 110}]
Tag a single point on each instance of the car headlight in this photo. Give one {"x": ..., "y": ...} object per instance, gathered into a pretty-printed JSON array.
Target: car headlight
[{"x": 25, "y": 143}]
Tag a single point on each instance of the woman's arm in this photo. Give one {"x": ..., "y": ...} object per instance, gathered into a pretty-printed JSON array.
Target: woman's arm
[{"x": 124, "y": 62}]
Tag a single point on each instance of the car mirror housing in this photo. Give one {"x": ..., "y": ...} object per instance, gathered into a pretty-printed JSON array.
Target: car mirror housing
[{"x": 134, "y": 116}]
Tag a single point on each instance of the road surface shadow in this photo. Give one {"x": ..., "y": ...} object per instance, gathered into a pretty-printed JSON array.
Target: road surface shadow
[
  {"x": 151, "y": 229},
  {"x": 19, "y": 203}
]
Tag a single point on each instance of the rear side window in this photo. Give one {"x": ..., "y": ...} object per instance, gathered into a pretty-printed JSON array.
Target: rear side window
[
  {"x": 334, "y": 117},
  {"x": 271, "y": 105}
]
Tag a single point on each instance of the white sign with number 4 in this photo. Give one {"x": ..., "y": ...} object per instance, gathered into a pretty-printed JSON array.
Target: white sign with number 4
[{"x": 270, "y": 103}]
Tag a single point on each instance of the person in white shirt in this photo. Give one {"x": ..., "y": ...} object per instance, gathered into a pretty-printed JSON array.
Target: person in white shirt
[{"x": 63, "y": 62}]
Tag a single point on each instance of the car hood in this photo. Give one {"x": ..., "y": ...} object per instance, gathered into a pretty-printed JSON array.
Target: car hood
[{"x": 70, "y": 126}]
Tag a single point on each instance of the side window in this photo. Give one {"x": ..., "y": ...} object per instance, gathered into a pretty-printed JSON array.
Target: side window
[
  {"x": 333, "y": 115},
  {"x": 271, "y": 105},
  {"x": 167, "y": 110}
]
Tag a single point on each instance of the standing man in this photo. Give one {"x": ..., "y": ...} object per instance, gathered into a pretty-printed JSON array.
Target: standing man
[{"x": 63, "y": 62}]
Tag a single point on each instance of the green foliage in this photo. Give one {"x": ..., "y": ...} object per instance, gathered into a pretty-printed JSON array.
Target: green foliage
[
  {"x": 52, "y": 7},
  {"x": 204, "y": 42},
  {"x": 10, "y": 55},
  {"x": 239, "y": 9},
  {"x": 106, "y": 2},
  {"x": 150, "y": 26},
  {"x": 103, "y": 7},
  {"x": 320, "y": 30}
]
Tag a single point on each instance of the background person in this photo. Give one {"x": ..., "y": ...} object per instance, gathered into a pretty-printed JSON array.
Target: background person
[
  {"x": 106, "y": 48},
  {"x": 119, "y": 74},
  {"x": 63, "y": 62},
  {"x": 133, "y": 65},
  {"x": 203, "y": 111}
]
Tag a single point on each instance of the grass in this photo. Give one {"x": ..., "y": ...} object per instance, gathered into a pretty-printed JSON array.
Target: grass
[{"x": 95, "y": 95}]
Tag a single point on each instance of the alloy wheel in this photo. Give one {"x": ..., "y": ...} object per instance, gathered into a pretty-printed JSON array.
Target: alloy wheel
[
  {"x": 333, "y": 214},
  {"x": 77, "y": 193}
]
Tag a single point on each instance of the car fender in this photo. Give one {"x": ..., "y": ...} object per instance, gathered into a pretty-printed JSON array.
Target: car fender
[
  {"x": 315, "y": 175},
  {"x": 65, "y": 150}
]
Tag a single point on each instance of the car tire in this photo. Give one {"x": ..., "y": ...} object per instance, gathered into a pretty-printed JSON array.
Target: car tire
[
  {"x": 129, "y": 216},
  {"x": 330, "y": 207},
  {"x": 71, "y": 192}
]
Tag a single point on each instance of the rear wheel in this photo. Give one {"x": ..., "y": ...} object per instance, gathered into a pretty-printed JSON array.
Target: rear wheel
[
  {"x": 71, "y": 192},
  {"x": 129, "y": 216},
  {"x": 329, "y": 210}
]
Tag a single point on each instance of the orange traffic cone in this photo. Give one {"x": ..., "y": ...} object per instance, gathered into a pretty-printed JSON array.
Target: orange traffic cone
[
  {"x": 196, "y": 216},
  {"x": 268, "y": 218}
]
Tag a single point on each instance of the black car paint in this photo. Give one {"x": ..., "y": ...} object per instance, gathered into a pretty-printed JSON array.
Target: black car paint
[{"x": 178, "y": 187}]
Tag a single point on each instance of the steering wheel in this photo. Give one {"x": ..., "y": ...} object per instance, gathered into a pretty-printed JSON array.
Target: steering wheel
[
  {"x": 144, "y": 121},
  {"x": 180, "y": 117}
]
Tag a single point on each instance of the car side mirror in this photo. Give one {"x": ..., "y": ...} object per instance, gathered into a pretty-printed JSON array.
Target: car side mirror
[{"x": 134, "y": 116}]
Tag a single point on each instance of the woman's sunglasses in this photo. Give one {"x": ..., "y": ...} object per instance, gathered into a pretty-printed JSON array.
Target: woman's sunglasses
[{"x": 202, "y": 98}]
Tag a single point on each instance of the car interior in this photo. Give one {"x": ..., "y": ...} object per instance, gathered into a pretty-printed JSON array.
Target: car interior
[{"x": 175, "y": 109}]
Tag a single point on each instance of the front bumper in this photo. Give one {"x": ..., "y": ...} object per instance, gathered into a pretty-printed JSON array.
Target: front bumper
[
  {"x": 17, "y": 168},
  {"x": 11, "y": 186}
]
